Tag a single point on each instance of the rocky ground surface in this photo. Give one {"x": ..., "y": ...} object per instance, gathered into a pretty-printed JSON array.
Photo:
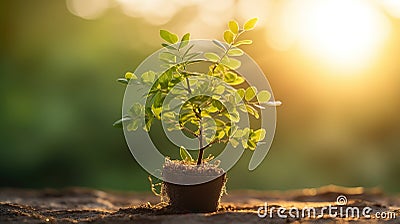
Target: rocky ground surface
[{"x": 79, "y": 205}]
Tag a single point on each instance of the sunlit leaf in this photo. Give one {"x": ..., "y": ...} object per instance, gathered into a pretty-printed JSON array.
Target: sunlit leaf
[
  {"x": 250, "y": 24},
  {"x": 184, "y": 40},
  {"x": 239, "y": 80},
  {"x": 130, "y": 75},
  {"x": 212, "y": 56},
  {"x": 251, "y": 110},
  {"x": 167, "y": 57},
  {"x": 231, "y": 63},
  {"x": 221, "y": 134},
  {"x": 233, "y": 116},
  {"x": 230, "y": 76},
  {"x": 259, "y": 106},
  {"x": 235, "y": 52},
  {"x": 219, "y": 89},
  {"x": 219, "y": 44},
  {"x": 123, "y": 80},
  {"x": 263, "y": 96},
  {"x": 251, "y": 145},
  {"x": 240, "y": 92},
  {"x": 193, "y": 56},
  {"x": 187, "y": 50},
  {"x": 168, "y": 46},
  {"x": 133, "y": 126},
  {"x": 136, "y": 109},
  {"x": 258, "y": 135},
  {"x": 168, "y": 36},
  {"x": 243, "y": 42},
  {"x": 234, "y": 142},
  {"x": 185, "y": 155},
  {"x": 233, "y": 26},
  {"x": 149, "y": 77},
  {"x": 217, "y": 104},
  {"x": 156, "y": 111},
  {"x": 228, "y": 36},
  {"x": 148, "y": 124},
  {"x": 120, "y": 122},
  {"x": 274, "y": 103},
  {"x": 250, "y": 93}
]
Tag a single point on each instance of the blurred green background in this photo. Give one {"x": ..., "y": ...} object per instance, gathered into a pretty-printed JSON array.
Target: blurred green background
[{"x": 59, "y": 60}]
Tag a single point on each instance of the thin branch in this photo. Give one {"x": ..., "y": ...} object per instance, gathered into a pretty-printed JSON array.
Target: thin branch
[{"x": 190, "y": 131}]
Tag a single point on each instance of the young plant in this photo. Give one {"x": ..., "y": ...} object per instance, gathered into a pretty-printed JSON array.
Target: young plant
[{"x": 209, "y": 102}]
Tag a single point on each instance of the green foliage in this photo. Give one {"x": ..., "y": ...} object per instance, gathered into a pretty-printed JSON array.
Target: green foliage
[
  {"x": 185, "y": 155},
  {"x": 168, "y": 36},
  {"x": 210, "y": 103},
  {"x": 233, "y": 26},
  {"x": 250, "y": 24}
]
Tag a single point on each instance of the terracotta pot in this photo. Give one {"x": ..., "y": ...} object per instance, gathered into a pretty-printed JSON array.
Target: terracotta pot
[{"x": 202, "y": 197}]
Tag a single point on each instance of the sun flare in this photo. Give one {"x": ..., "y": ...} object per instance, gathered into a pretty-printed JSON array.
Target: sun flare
[{"x": 342, "y": 32}]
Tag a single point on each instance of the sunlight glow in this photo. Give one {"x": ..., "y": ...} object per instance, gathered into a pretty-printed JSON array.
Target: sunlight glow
[
  {"x": 392, "y": 7},
  {"x": 89, "y": 9},
  {"x": 343, "y": 32}
]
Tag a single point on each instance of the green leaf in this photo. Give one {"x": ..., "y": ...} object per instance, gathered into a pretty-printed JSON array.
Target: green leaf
[
  {"x": 234, "y": 116},
  {"x": 167, "y": 57},
  {"x": 168, "y": 46},
  {"x": 156, "y": 111},
  {"x": 147, "y": 126},
  {"x": 240, "y": 92},
  {"x": 133, "y": 126},
  {"x": 168, "y": 36},
  {"x": 217, "y": 104},
  {"x": 239, "y": 80},
  {"x": 192, "y": 56},
  {"x": 185, "y": 155},
  {"x": 221, "y": 134},
  {"x": 119, "y": 123},
  {"x": 137, "y": 109},
  {"x": 243, "y": 42},
  {"x": 233, "y": 26},
  {"x": 239, "y": 96},
  {"x": 130, "y": 75},
  {"x": 228, "y": 36},
  {"x": 159, "y": 99},
  {"x": 235, "y": 52},
  {"x": 250, "y": 24},
  {"x": 187, "y": 51},
  {"x": 230, "y": 76},
  {"x": 184, "y": 40},
  {"x": 258, "y": 135},
  {"x": 251, "y": 110},
  {"x": 123, "y": 80},
  {"x": 148, "y": 77},
  {"x": 219, "y": 44},
  {"x": 250, "y": 93},
  {"x": 251, "y": 145},
  {"x": 231, "y": 63},
  {"x": 212, "y": 56},
  {"x": 219, "y": 89},
  {"x": 234, "y": 142},
  {"x": 263, "y": 96}
]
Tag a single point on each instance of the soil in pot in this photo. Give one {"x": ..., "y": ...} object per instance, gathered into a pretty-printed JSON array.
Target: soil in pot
[{"x": 186, "y": 197}]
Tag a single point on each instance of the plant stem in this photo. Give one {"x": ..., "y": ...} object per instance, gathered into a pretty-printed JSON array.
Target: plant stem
[
  {"x": 200, "y": 137},
  {"x": 188, "y": 84}
]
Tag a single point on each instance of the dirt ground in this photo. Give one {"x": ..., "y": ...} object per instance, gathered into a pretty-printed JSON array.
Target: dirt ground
[{"x": 79, "y": 205}]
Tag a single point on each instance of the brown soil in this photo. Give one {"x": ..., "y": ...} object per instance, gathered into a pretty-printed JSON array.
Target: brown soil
[{"x": 77, "y": 205}]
